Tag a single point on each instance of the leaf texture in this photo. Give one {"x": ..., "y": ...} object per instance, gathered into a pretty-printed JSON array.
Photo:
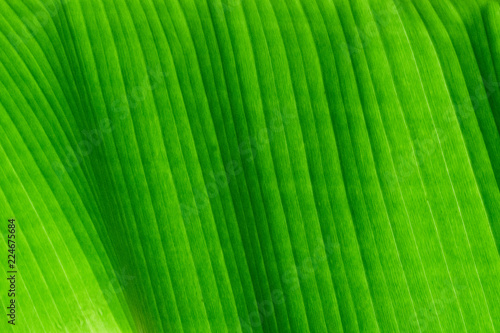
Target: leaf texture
[{"x": 252, "y": 165}]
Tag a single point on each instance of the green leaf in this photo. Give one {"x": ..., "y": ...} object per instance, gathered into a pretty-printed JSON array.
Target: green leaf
[{"x": 250, "y": 165}]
